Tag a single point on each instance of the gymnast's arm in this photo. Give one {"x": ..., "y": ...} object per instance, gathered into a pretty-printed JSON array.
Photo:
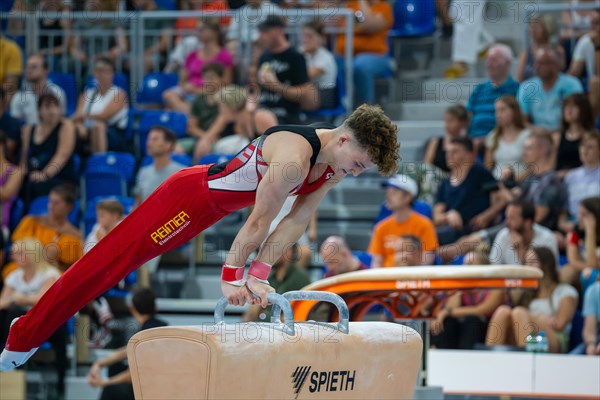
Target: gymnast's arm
[
  {"x": 272, "y": 191},
  {"x": 293, "y": 225}
]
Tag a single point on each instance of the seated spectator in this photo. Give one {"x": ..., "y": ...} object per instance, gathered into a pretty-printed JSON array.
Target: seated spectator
[
  {"x": 204, "y": 108},
  {"x": 159, "y": 145},
  {"x": 551, "y": 311},
  {"x": 11, "y": 178},
  {"x": 157, "y": 39},
  {"x": 109, "y": 213},
  {"x": 541, "y": 97},
  {"x": 584, "y": 55},
  {"x": 48, "y": 150},
  {"x": 242, "y": 33},
  {"x": 463, "y": 321},
  {"x": 520, "y": 234},
  {"x": 285, "y": 87},
  {"x": 102, "y": 112},
  {"x": 284, "y": 277},
  {"x": 542, "y": 187},
  {"x": 576, "y": 121},
  {"x": 85, "y": 49},
  {"x": 575, "y": 22},
  {"x": 461, "y": 202},
  {"x": 484, "y": 96},
  {"x": 409, "y": 252},
  {"x": 456, "y": 120},
  {"x": 191, "y": 81},
  {"x": 505, "y": 144},
  {"x": 583, "y": 246},
  {"x": 591, "y": 323},
  {"x": 11, "y": 67},
  {"x": 401, "y": 192},
  {"x": 582, "y": 182},
  {"x": 321, "y": 64},
  {"x": 229, "y": 133},
  {"x": 541, "y": 29},
  {"x": 23, "y": 287},
  {"x": 338, "y": 258},
  {"x": 118, "y": 385},
  {"x": 24, "y": 104},
  {"x": 374, "y": 20},
  {"x": 11, "y": 129},
  {"x": 61, "y": 240}
]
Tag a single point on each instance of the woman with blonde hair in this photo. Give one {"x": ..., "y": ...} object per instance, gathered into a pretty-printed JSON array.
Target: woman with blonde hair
[
  {"x": 23, "y": 288},
  {"x": 541, "y": 30},
  {"x": 505, "y": 143}
]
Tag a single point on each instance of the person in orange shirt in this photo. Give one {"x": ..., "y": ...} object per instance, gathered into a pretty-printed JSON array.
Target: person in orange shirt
[
  {"x": 401, "y": 191},
  {"x": 61, "y": 240},
  {"x": 11, "y": 66},
  {"x": 373, "y": 21}
]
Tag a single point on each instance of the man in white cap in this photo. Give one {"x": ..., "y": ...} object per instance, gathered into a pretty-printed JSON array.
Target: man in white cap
[{"x": 401, "y": 192}]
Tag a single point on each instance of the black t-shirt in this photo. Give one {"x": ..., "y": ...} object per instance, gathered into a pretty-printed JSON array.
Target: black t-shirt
[
  {"x": 290, "y": 68},
  {"x": 469, "y": 198},
  {"x": 152, "y": 323}
]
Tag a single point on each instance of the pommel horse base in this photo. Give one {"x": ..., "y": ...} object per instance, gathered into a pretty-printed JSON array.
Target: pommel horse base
[{"x": 277, "y": 360}]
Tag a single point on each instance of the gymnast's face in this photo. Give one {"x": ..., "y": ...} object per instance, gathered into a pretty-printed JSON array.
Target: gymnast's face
[{"x": 350, "y": 157}]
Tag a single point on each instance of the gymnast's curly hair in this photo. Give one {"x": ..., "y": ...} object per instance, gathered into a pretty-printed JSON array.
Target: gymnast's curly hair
[{"x": 378, "y": 135}]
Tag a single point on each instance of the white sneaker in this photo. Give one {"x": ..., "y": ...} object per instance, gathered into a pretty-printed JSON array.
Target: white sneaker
[{"x": 12, "y": 359}]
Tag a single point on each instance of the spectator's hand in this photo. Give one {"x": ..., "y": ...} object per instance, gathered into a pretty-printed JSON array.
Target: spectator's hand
[
  {"x": 589, "y": 222},
  {"x": 266, "y": 77},
  {"x": 592, "y": 349},
  {"x": 480, "y": 221},
  {"x": 94, "y": 371},
  {"x": 437, "y": 326},
  {"x": 505, "y": 194},
  {"x": 37, "y": 176},
  {"x": 259, "y": 289},
  {"x": 19, "y": 299},
  {"x": 515, "y": 239},
  {"x": 190, "y": 88},
  {"x": 236, "y": 295},
  {"x": 454, "y": 219},
  {"x": 97, "y": 382},
  {"x": 507, "y": 174}
]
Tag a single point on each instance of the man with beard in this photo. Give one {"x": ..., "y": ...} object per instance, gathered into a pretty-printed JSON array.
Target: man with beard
[
  {"x": 24, "y": 105},
  {"x": 520, "y": 234}
]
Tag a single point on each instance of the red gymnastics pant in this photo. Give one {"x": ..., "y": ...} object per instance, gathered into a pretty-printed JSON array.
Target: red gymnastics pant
[{"x": 176, "y": 212}]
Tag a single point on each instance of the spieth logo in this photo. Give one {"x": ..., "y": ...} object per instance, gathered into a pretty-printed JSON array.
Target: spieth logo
[{"x": 326, "y": 381}]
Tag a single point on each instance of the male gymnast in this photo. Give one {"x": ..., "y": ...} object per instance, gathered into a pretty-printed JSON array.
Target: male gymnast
[{"x": 306, "y": 161}]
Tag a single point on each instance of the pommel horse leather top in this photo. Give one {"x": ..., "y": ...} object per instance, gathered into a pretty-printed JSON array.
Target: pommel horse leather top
[{"x": 406, "y": 291}]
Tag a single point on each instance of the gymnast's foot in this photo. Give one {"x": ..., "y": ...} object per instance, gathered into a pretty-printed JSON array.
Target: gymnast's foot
[{"x": 13, "y": 359}]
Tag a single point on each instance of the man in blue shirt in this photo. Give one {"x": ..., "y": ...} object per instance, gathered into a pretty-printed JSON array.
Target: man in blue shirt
[
  {"x": 463, "y": 196},
  {"x": 481, "y": 102},
  {"x": 542, "y": 96}
]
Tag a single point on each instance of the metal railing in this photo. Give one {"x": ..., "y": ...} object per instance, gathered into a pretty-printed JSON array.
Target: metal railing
[{"x": 86, "y": 29}]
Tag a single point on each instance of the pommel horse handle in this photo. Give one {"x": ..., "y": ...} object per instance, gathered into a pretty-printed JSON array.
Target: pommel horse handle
[
  {"x": 342, "y": 325},
  {"x": 279, "y": 302}
]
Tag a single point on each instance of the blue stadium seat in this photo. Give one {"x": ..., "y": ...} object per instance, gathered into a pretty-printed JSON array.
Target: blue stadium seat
[
  {"x": 175, "y": 121},
  {"x": 152, "y": 87},
  {"x": 215, "y": 159},
  {"x": 66, "y": 82},
  {"x": 182, "y": 159},
  {"x": 166, "y": 5},
  {"x": 122, "y": 163},
  {"x": 340, "y": 82},
  {"x": 89, "y": 216},
  {"x": 16, "y": 213},
  {"x": 413, "y": 18},
  {"x": 39, "y": 206},
  {"x": 102, "y": 183},
  {"x": 575, "y": 337}
]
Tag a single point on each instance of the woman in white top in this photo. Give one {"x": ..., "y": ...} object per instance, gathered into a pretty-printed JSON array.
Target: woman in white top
[
  {"x": 320, "y": 62},
  {"x": 24, "y": 287},
  {"x": 551, "y": 311},
  {"x": 102, "y": 112},
  {"x": 505, "y": 144}
]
